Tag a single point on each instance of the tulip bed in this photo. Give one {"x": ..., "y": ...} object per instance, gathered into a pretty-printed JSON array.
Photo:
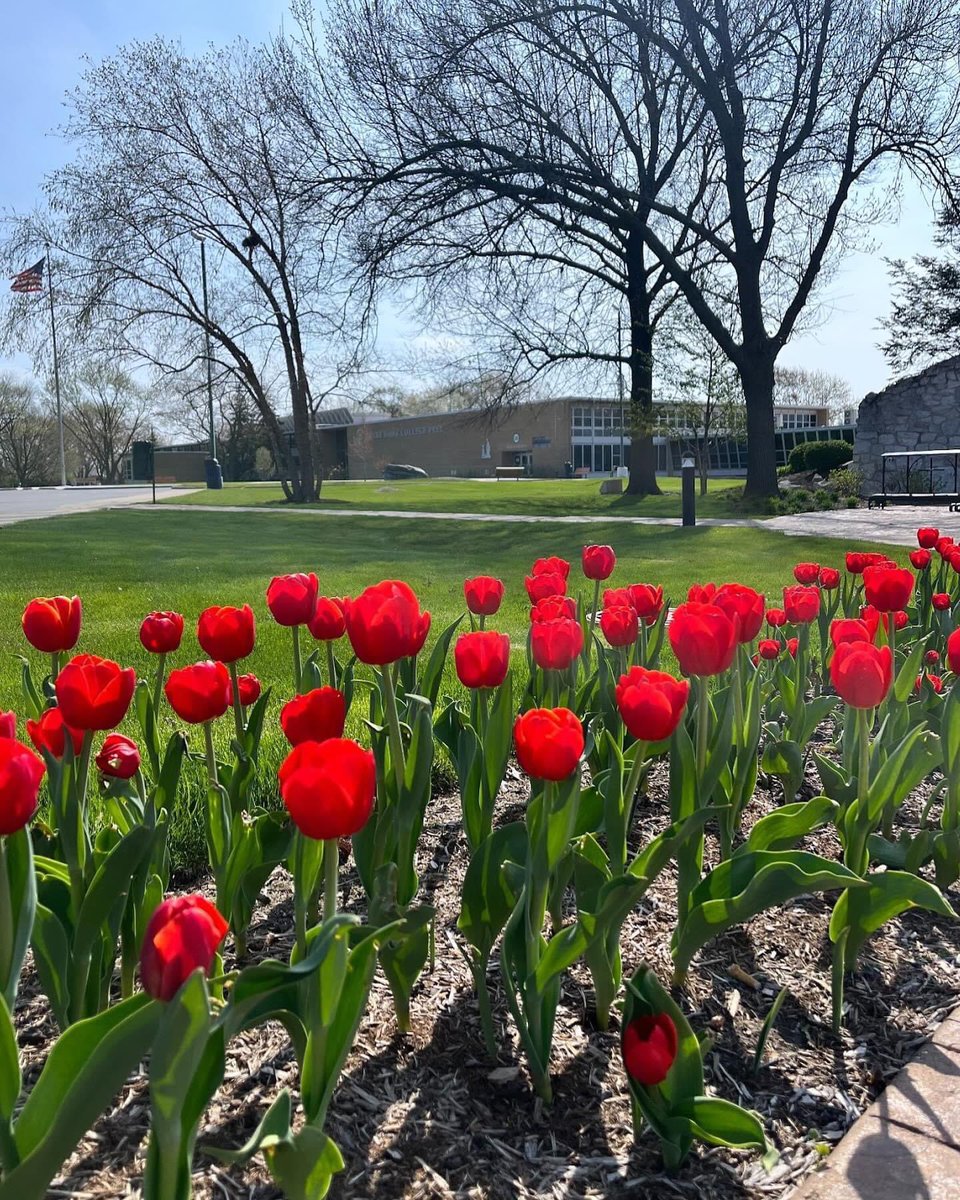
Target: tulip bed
[{"x": 617, "y": 828}]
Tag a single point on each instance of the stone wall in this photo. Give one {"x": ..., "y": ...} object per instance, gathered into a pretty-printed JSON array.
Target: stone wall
[{"x": 921, "y": 412}]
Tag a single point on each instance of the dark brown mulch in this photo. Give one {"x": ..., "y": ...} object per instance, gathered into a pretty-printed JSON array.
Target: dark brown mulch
[{"x": 428, "y": 1115}]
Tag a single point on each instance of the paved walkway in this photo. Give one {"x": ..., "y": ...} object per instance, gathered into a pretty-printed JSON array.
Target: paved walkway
[{"x": 31, "y": 504}]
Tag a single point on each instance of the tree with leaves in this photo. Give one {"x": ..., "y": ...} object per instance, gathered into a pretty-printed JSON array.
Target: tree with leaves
[{"x": 924, "y": 321}]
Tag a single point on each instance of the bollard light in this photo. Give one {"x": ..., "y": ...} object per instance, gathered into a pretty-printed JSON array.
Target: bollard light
[{"x": 687, "y": 491}]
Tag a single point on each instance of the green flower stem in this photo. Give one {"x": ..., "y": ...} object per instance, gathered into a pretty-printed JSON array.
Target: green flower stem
[
  {"x": 54, "y": 666},
  {"x": 331, "y": 876},
  {"x": 82, "y": 768},
  {"x": 9, "y": 1155},
  {"x": 593, "y": 620},
  {"x": 856, "y": 855},
  {"x": 297, "y": 666},
  {"x": 237, "y": 706},
  {"x": 300, "y": 898},
  {"x": 331, "y": 665},
  {"x": 211, "y": 756},
  {"x": 482, "y": 619},
  {"x": 736, "y": 679},
  {"x": 158, "y": 683},
  {"x": 554, "y": 688},
  {"x": 643, "y": 643},
  {"x": 393, "y": 727},
  {"x": 626, "y": 807},
  {"x": 703, "y": 729},
  {"x": 479, "y": 970},
  {"x": 6, "y": 925}
]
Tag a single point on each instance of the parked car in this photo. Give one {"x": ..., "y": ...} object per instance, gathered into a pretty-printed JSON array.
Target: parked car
[{"x": 403, "y": 471}]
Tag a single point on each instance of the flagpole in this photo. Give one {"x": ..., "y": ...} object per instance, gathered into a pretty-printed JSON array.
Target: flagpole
[{"x": 56, "y": 369}]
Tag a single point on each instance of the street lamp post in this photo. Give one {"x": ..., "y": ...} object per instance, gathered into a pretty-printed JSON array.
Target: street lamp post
[
  {"x": 620, "y": 383},
  {"x": 211, "y": 466}
]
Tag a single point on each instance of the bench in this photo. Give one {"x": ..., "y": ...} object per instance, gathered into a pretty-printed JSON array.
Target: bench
[
  {"x": 936, "y": 461},
  {"x": 509, "y": 472}
]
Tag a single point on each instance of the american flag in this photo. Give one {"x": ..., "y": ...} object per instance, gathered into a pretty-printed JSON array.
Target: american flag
[{"x": 30, "y": 280}]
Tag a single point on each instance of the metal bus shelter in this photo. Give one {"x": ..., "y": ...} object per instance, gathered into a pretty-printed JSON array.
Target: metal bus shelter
[{"x": 938, "y": 461}]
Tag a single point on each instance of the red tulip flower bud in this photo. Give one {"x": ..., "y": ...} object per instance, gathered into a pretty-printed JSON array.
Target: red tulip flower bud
[
  {"x": 927, "y": 537},
  {"x": 483, "y": 595},
  {"x": 548, "y": 583},
  {"x": 200, "y": 692},
  {"x": 49, "y": 733},
  {"x": 849, "y": 629},
  {"x": 829, "y": 578},
  {"x": 934, "y": 680},
  {"x": 931, "y": 657},
  {"x": 292, "y": 599},
  {"x": 482, "y": 658},
  {"x": 920, "y": 559},
  {"x": 806, "y": 573},
  {"x": 53, "y": 625},
  {"x": 887, "y": 588},
  {"x": 94, "y": 693},
  {"x": 598, "y": 561},
  {"x": 651, "y": 703},
  {"x": 647, "y": 600},
  {"x": 855, "y": 562},
  {"x": 553, "y": 608},
  {"x": 384, "y": 623},
  {"x": 703, "y": 638},
  {"x": 861, "y": 673},
  {"x": 119, "y": 757},
  {"x": 20, "y": 774},
  {"x": 619, "y": 625},
  {"x": 649, "y": 1048},
  {"x": 801, "y": 604},
  {"x": 702, "y": 593},
  {"x": 776, "y": 617},
  {"x": 327, "y": 623},
  {"x": 793, "y": 645},
  {"x": 769, "y": 649},
  {"x": 182, "y": 936},
  {"x": 953, "y": 558},
  {"x": 551, "y": 566},
  {"x": 8, "y": 725},
  {"x": 161, "y": 632},
  {"x": 249, "y": 687},
  {"x": 953, "y": 652},
  {"x": 941, "y": 601},
  {"x": 555, "y": 644},
  {"x": 549, "y": 742},
  {"x": 944, "y": 545},
  {"x": 314, "y": 717},
  {"x": 743, "y": 604},
  {"x": 226, "y": 633},
  {"x": 618, "y": 597},
  {"x": 328, "y": 788}
]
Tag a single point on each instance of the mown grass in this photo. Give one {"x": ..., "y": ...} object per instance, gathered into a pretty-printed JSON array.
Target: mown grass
[
  {"x": 532, "y": 497},
  {"x": 124, "y": 564}
]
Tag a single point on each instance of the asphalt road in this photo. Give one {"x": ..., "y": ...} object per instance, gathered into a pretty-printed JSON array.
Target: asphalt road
[{"x": 31, "y": 504}]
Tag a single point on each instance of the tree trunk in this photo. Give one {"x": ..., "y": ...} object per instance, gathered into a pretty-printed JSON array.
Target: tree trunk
[
  {"x": 643, "y": 453},
  {"x": 305, "y": 485},
  {"x": 756, "y": 377}
]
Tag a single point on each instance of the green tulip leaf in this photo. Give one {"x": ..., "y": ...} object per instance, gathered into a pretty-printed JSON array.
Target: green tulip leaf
[
  {"x": 786, "y": 825},
  {"x": 273, "y": 1130},
  {"x": 433, "y": 671},
  {"x": 10, "y": 1078},
  {"x": 304, "y": 1169},
  {"x": 722, "y": 1123},
  {"x": 885, "y": 895},
  {"x": 488, "y": 898}
]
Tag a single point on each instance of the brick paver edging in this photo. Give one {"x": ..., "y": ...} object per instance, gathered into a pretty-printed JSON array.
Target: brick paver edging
[{"x": 906, "y": 1146}]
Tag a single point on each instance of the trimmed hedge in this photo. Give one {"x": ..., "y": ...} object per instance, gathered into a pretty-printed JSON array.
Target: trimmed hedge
[{"x": 822, "y": 457}]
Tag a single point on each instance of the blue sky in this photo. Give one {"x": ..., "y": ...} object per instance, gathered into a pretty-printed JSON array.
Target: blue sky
[{"x": 45, "y": 46}]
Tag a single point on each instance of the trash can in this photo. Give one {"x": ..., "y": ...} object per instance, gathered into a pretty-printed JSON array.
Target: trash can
[
  {"x": 214, "y": 474},
  {"x": 568, "y": 469}
]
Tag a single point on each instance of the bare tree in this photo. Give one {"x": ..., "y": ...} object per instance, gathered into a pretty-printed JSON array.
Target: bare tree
[
  {"x": 798, "y": 387},
  {"x": 27, "y": 435},
  {"x": 105, "y": 411}
]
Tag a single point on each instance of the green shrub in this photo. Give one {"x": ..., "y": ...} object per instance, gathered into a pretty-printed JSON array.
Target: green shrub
[
  {"x": 798, "y": 458},
  {"x": 824, "y": 457},
  {"x": 847, "y": 482}
]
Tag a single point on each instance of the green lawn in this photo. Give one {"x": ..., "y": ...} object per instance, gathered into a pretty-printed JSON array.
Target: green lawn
[
  {"x": 123, "y": 564},
  {"x": 537, "y": 497}
]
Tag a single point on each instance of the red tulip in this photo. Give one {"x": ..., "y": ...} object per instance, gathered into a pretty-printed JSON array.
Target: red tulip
[
  {"x": 118, "y": 757},
  {"x": 651, "y": 703},
  {"x": 619, "y": 625},
  {"x": 702, "y": 593},
  {"x": 483, "y": 594},
  {"x": 806, "y": 573},
  {"x": 328, "y": 788},
  {"x": 161, "y": 632},
  {"x": 49, "y": 733},
  {"x": 931, "y": 657},
  {"x": 384, "y": 623},
  {"x": 327, "y": 623},
  {"x": 21, "y": 772},
  {"x": 482, "y": 658},
  {"x": 647, "y": 600},
  {"x": 8, "y": 725},
  {"x": 551, "y": 566},
  {"x": 801, "y": 604},
  {"x": 941, "y": 601},
  {"x": 199, "y": 693},
  {"x": 744, "y": 604},
  {"x": 94, "y": 693},
  {"x": 934, "y": 680},
  {"x": 249, "y": 687},
  {"x": 829, "y": 578},
  {"x": 553, "y": 608},
  {"x": 53, "y": 625},
  {"x": 182, "y": 935},
  {"x": 861, "y": 673},
  {"x": 703, "y": 638},
  {"x": 920, "y": 559},
  {"x": 226, "y": 633},
  {"x": 953, "y": 651},
  {"x": 548, "y": 583},
  {"x": 849, "y": 629},
  {"x": 793, "y": 645},
  {"x": 314, "y": 717},
  {"x": 887, "y": 588},
  {"x": 618, "y": 597},
  {"x": 555, "y": 644},
  {"x": 598, "y": 561},
  {"x": 549, "y": 742},
  {"x": 953, "y": 558},
  {"x": 943, "y": 546},
  {"x": 292, "y": 599},
  {"x": 928, "y": 537},
  {"x": 649, "y": 1049},
  {"x": 776, "y": 617},
  {"x": 856, "y": 561},
  {"x": 769, "y": 649}
]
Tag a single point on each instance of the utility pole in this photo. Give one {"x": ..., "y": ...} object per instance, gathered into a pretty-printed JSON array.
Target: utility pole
[
  {"x": 56, "y": 369},
  {"x": 214, "y": 474},
  {"x": 620, "y": 381}
]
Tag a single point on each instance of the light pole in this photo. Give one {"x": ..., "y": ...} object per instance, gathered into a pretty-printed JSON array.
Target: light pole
[
  {"x": 211, "y": 466},
  {"x": 620, "y": 381}
]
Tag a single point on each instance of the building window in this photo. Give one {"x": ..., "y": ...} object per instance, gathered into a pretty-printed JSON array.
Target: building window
[{"x": 798, "y": 420}]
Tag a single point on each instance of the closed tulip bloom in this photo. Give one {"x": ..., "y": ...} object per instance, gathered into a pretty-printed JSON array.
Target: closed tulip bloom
[
  {"x": 953, "y": 652},
  {"x": 703, "y": 638},
  {"x": 200, "y": 692},
  {"x": 598, "y": 561},
  {"x": 829, "y": 578},
  {"x": 806, "y": 572},
  {"x": 553, "y": 608},
  {"x": 931, "y": 657},
  {"x": 327, "y": 623},
  {"x": 549, "y": 742},
  {"x": 649, "y": 1049},
  {"x": 934, "y": 680},
  {"x": 702, "y": 593},
  {"x": 226, "y": 633},
  {"x": 850, "y": 629},
  {"x": 161, "y": 632},
  {"x": 182, "y": 936},
  {"x": 314, "y": 716},
  {"x": 651, "y": 703},
  {"x": 94, "y": 693},
  {"x": 548, "y": 583},
  {"x": 953, "y": 558},
  {"x": 250, "y": 688},
  {"x": 920, "y": 559},
  {"x": 617, "y": 597},
  {"x": 21, "y": 772},
  {"x": 483, "y": 594},
  {"x": 776, "y": 617},
  {"x": 482, "y": 658},
  {"x": 856, "y": 560},
  {"x": 769, "y": 649},
  {"x": 49, "y": 733},
  {"x": 927, "y": 537},
  {"x": 647, "y": 600},
  {"x": 119, "y": 757},
  {"x": 861, "y": 673},
  {"x": 292, "y": 599},
  {"x": 941, "y": 601},
  {"x": 888, "y": 588},
  {"x": 8, "y": 724},
  {"x": 555, "y": 644},
  {"x": 551, "y": 566},
  {"x": 328, "y": 788},
  {"x": 619, "y": 625},
  {"x": 944, "y": 545},
  {"x": 801, "y": 604},
  {"x": 793, "y": 645},
  {"x": 743, "y": 603},
  {"x": 385, "y": 624},
  {"x": 52, "y": 625}
]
